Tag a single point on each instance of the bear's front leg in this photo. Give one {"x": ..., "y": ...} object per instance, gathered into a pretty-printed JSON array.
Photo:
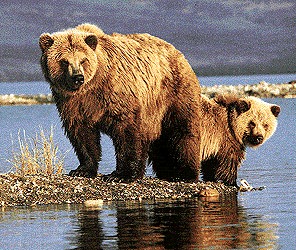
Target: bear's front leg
[
  {"x": 221, "y": 169},
  {"x": 86, "y": 143},
  {"x": 131, "y": 156}
]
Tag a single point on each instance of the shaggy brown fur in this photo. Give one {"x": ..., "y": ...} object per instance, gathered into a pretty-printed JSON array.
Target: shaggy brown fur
[
  {"x": 228, "y": 126},
  {"x": 131, "y": 87}
]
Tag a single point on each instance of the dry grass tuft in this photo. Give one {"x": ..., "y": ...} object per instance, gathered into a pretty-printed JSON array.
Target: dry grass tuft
[{"x": 37, "y": 155}]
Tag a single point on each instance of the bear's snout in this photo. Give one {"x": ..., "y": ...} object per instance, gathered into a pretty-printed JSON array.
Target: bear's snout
[
  {"x": 78, "y": 79},
  {"x": 255, "y": 140},
  {"x": 75, "y": 82}
]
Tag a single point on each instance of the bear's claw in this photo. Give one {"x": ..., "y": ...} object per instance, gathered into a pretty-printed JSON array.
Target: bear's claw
[
  {"x": 116, "y": 177},
  {"x": 82, "y": 173}
]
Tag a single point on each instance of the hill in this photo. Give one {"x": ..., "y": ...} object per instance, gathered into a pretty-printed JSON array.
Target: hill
[{"x": 218, "y": 37}]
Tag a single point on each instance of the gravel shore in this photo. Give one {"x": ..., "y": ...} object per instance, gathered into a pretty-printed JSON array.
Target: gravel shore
[
  {"x": 262, "y": 89},
  {"x": 32, "y": 190}
]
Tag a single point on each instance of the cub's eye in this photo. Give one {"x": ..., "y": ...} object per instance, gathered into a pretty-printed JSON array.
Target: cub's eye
[
  {"x": 83, "y": 61},
  {"x": 266, "y": 126},
  {"x": 252, "y": 125},
  {"x": 64, "y": 63}
]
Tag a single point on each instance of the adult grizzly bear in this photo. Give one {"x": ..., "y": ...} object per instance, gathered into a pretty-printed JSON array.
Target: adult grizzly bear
[
  {"x": 130, "y": 87},
  {"x": 229, "y": 125}
]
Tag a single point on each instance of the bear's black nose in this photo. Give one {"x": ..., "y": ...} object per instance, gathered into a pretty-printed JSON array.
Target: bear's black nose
[
  {"x": 253, "y": 140},
  {"x": 78, "y": 79},
  {"x": 256, "y": 140}
]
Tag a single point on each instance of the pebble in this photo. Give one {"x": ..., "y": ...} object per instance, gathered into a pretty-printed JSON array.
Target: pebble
[{"x": 93, "y": 203}]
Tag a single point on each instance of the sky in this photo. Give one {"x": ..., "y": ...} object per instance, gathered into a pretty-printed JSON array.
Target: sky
[{"x": 217, "y": 37}]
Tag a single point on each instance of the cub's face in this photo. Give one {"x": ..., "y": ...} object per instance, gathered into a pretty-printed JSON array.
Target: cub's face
[
  {"x": 68, "y": 59},
  {"x": 254, "y": 121}
]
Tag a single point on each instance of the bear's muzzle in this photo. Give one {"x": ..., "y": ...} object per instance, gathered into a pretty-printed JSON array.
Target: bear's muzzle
[
  {"x": 254, "y": 140},
  {"x": 75, "y": 82}
]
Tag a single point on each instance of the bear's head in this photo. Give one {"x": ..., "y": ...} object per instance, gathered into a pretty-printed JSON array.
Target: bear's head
[
  {"x": 251, "y": 120},
  {"x": 68, "y": 58}
]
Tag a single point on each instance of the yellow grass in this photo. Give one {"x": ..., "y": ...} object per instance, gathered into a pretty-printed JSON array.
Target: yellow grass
[{"x": 37, "y": 155}]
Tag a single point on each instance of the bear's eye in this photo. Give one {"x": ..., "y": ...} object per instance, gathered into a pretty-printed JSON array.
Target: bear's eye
[
  {"x": 252, "y": 125},
  {"x": 265, "y": 126},
  {"x": 64, "y": 63}
]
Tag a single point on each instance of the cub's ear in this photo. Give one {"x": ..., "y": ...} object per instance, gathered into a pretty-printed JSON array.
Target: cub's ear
[
  {"x": 45, "y": 41},
  {"x": 275, "y": 110},
  {"x": 241, "y": 106},
  {"x": 91, "y": 41},
  {"x": 232, "y": 102}
]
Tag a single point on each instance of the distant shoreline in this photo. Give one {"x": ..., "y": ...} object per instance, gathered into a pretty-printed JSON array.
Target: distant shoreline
[{"x": 261, "y": 89}]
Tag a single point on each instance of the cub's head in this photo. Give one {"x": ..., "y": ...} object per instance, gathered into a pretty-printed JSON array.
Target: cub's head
[
  {"x": 68, "y": 58},
  {"x": 251, "y": 120}
]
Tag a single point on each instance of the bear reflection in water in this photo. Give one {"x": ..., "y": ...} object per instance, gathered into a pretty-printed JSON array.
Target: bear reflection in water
[{"x": 178, "y": 225}]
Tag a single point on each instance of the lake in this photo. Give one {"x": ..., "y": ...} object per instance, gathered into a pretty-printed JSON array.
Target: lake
[{"x": 253, "y": 220}]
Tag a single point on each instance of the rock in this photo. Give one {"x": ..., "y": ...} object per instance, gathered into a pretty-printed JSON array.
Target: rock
[
  {"x": 93, "y": 203},
  {"x": 209, "y": 192}
]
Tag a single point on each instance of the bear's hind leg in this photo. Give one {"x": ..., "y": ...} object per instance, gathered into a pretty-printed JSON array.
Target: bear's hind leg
[
  {"x": 208, "y": 169},
  {"x": 175, "y": 157},
  {"x": 161, "y": 160},
  {"x": 186, "y": 154}
]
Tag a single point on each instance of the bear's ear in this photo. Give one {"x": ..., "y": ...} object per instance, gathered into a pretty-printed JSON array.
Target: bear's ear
[
  {"x": 241, "y": 106},
  {"x": 45, "y": 41},
  {"x": 275, "y": 110},
  {"x": 91, "y": 41}
]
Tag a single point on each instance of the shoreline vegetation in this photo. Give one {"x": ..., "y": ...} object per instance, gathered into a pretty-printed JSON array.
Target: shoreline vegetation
[{"x": 261, "y": 90}]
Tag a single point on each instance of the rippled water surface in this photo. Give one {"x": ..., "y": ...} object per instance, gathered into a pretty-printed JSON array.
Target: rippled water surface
[
  {"x": 254, "y": 220},
  {"x": 159, "y": 225}
]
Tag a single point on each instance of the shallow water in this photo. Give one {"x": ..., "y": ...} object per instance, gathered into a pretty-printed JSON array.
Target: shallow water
[
  {"x": 253, "y": 220},
  {"x": 158, "y": 225}
]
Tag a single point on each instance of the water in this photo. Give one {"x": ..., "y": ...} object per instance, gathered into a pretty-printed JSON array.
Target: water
[
  {"x": 247, "y": 79},
  {"x": 253, "y": 220},
  {"x": 26, "y": 88},
  {"x": 175, "y": 225}
]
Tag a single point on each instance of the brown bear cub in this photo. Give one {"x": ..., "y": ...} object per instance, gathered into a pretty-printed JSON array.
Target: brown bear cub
[
  {"x": 133, "y": 88},
  {"x": 230, "y": 124}
]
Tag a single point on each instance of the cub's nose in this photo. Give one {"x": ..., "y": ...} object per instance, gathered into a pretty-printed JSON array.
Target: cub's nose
[
  {"x": 78, "y": 79},
  {"x": 258, "y": 139},
  {"x": 254, "y": 140}
]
